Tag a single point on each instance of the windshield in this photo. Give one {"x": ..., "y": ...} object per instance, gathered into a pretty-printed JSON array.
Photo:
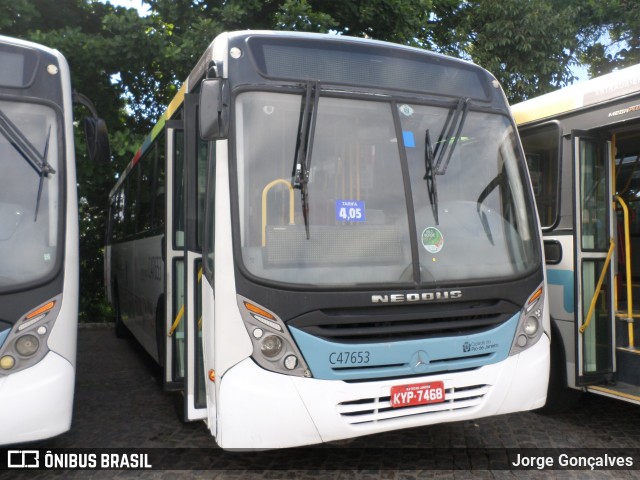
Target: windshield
[
  {"x": 359, "y": 211},
  {"x": 28, "y": 192}
]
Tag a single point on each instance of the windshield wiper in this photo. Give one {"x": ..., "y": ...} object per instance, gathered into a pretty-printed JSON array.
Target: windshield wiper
[
  {"x": 304, "y": 146},
  {"x": 27, "y": 151},
  {"x": 429, "y": 176},
  {"x": 43, "y": 173},
  {"x": 491, "y": 186},
  {"x": 455, "y": 123},
  {"x": 453, "y": 127}
]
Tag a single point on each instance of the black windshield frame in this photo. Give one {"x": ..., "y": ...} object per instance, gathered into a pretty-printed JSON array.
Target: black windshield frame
[
  {"x": 394, "y": 100},
  {"x": 54, "y": 275}
]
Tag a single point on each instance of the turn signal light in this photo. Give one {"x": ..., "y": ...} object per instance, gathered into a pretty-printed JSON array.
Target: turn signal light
[
  {"x": 258, "y": 310},
  {"x": 39, "y": 311},
  {"x": 532, "y": 300}
]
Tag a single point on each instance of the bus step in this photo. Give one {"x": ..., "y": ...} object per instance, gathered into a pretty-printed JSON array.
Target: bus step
[
  {"x": 622, "y": 331},
  {"x": 621, "y": 391},
  {"x": 627, "y": 365},
  {"x": 632, "y": 350}
]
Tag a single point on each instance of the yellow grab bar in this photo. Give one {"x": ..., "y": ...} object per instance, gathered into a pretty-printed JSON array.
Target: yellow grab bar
[
  {"x": 592, "y": 307},
  {"x": 627, "y": 255},
  {"x": 178, "y": 319},
  {"x": 264, "y": 205}
]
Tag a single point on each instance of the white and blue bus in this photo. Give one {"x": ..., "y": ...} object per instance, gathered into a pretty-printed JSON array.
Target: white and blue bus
[
  {"x": 38, "y": 243},
  {"x": 326, "y": 237},
  {"x": 582, "y": 144}
]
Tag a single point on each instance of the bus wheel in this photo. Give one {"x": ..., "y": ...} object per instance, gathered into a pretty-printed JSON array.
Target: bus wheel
[
  {"x": 161, "y": 338},
  {"x": 121, "y": 329},
  {"x": 560, "y": 397}
]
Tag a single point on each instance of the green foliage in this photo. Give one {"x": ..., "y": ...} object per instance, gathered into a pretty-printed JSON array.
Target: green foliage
[
  {"x": 131, "y": 66},
  {"x": 528, "y": 45},
  {"x": 614, "y": 40}
]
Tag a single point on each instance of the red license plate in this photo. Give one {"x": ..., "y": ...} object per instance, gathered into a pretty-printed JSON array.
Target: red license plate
[{"x": 417, "y": 394}]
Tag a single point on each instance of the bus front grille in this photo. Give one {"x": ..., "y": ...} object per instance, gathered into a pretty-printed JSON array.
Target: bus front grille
[{"x": 383, "y": 324}]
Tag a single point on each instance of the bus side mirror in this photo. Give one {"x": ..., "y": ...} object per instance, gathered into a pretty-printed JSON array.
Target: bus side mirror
[
  {"x": 95, "y": 130},
  {"x": 214, "y": 108}
]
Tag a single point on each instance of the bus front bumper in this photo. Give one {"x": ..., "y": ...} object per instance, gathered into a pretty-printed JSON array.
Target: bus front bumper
[
  {"x": 36, "y": 403},
  {"x": 258, "y": 409}
]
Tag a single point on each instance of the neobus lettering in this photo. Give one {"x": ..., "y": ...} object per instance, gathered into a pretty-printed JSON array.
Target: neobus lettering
[{"x": 416, "y": 297}]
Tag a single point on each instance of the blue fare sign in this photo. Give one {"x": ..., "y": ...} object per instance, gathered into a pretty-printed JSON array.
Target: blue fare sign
[
  {"x": 350, "y": 210},
  {"x": 409, "y": 140}
]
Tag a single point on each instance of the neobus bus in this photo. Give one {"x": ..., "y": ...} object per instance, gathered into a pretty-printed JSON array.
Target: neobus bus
[
  {"x": 38, "y": 242},
  {"x": 582, "y": 145},
  {"x": 326, "y": 237}
]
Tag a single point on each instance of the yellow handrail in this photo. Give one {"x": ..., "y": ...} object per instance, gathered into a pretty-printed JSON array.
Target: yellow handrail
[
  {"x": 264, "y": 205},
  {"x": 178, "y": 319},
  {"x": 627, "y": 252},
  {"x": 592, "y": 307}
]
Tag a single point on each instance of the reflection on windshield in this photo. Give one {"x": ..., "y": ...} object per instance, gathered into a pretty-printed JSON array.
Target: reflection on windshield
[
  {"x": 483, "y": 229},
  {"x": 28, "y": 199},
  {"x": 358, "y": 220}
]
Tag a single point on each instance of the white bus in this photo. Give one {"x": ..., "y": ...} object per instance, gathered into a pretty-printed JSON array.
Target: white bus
[
  {"x": 326, "y": 237},
  {"x": 38, "y": 243},
  {"x": 583, "y": 150}
]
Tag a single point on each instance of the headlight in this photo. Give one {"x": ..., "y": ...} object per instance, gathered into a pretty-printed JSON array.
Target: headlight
[
  {"x": 7, "y": 362},
  {"x": 27, "y": 345},
  {"x": 273, "y": 346},
  {"x": 529, "y": 328},
  {"x": 290, "y": 362}
]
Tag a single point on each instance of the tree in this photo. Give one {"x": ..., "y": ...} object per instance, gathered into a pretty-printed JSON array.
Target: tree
[
  {"x": 90, "y": 35},
  {"x": 614, "y": 35},
  {"x": 529, "y": 45}
]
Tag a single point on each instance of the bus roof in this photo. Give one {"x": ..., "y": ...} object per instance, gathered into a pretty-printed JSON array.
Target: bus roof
[
  {"x": 580, "y": 95},
  {"x": 198, "y": 73},
  {"x": 26, "y": 43}
]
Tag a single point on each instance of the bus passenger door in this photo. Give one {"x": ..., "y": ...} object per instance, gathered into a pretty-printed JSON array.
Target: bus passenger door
[
  {"x": 174, "y": 256},
  {"x": 594, "y": 267},
  {"x": 195, "y": 174}
]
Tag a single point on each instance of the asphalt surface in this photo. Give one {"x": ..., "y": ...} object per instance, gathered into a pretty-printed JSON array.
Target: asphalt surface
[{"x": 120, "y": 404}]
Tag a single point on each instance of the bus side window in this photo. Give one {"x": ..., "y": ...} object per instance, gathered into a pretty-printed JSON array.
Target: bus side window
[
  {"x": 130, "y": 202},
  {"x": 158, "y": 215},
  {"x": 118, "y": 215},
  {"x": 542, "y": 150},
  {"x": 209, "y": 214},
  {"x": 145, "y": 191}
]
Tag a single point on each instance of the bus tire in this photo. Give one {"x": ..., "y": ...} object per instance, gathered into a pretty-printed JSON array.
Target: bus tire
[
  {"x": 120, "y": 327},
  {"x": 560, "y": 397},
  {"x": 161, "y": 337}
]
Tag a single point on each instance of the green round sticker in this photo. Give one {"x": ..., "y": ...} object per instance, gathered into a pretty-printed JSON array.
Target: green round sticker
[{"x": 432, "y": 239}]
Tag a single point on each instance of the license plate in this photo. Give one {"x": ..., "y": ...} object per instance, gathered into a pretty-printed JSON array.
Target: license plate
[{"x": 417, "y": 394}]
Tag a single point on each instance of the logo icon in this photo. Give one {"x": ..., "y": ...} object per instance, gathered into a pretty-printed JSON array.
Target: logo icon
[
  {"x": 466, "y": 347},
  {"x": 23, "y": 458},
  {"x": 420, "y": 362}
]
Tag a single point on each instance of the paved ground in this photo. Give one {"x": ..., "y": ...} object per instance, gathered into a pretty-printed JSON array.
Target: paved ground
[{"x": 120, "y": 404}]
